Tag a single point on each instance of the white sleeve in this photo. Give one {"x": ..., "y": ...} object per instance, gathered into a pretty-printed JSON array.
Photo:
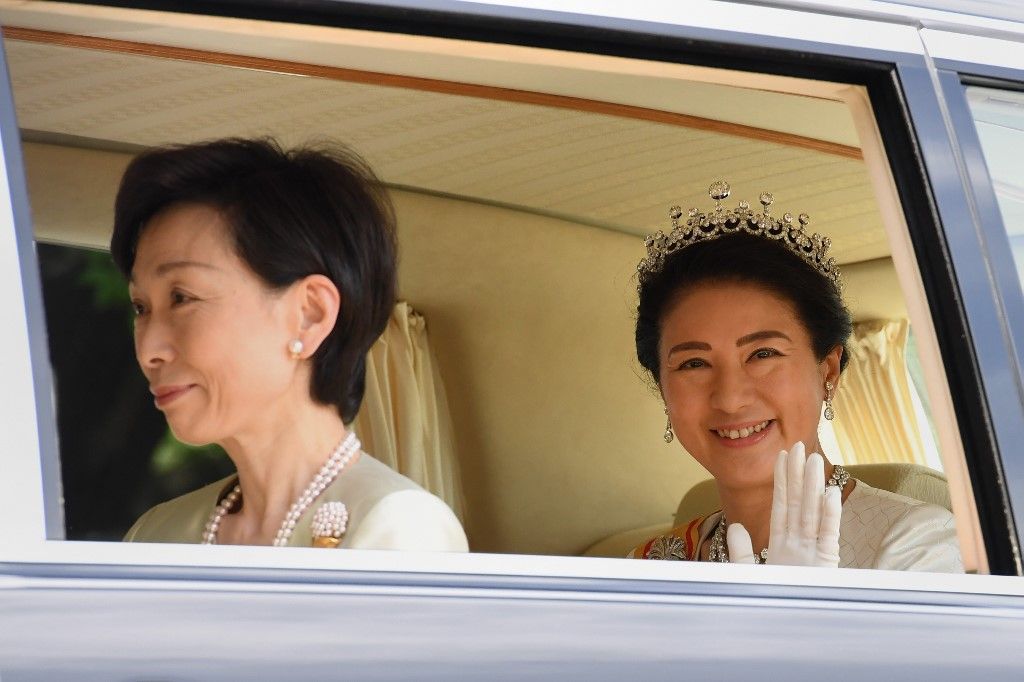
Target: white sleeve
[
  {"x": 923, "y": 539},
  {"x": 412, "y": 520}
]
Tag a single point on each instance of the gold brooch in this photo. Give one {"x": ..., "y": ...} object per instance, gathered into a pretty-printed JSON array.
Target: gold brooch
[{"x": 329, "y": 524}]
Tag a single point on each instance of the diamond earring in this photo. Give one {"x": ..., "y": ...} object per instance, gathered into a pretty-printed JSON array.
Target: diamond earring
[
  {"x": 668, "y": 436},
  {"x": 830, "y": 414},
  {"x": 295, "y": 348}
]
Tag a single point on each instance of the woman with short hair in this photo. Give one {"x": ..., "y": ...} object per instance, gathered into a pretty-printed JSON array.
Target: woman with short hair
[
  {"x": 259, "y": 279},
  {"x": 742, "y": 327}
]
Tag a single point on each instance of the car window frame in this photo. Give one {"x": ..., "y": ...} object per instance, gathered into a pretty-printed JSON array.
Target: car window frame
[
  {"x": 960, "y": 60},
  {"x": 1002, "y": 272},
  {"x": 884, "y": 72},
  {"x": 39, "y": 431}
]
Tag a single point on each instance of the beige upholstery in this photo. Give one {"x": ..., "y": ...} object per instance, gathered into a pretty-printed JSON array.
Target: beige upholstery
[
  {"x": 620, "y": 544},
  {"x": 909, "y": 480}
]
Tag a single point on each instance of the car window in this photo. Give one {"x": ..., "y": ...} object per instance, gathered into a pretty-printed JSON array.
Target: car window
[
  {"x": 999, "y": 118},
  {"x": 522, "y": 197}
]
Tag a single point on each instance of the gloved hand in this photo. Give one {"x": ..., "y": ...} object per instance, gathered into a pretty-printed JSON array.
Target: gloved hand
[{"x": 805, "y": 516}]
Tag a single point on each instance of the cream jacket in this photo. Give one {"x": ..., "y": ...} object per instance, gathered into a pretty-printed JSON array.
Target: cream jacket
[{"x": 386, "y": 511}]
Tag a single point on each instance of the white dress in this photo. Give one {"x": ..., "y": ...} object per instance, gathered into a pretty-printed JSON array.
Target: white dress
[
  {"x": 878, "y": 529},
  {"x": 884, "y": 530}
]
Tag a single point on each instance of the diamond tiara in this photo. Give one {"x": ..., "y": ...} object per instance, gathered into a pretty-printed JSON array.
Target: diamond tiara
[{"x": 721, "y": 222}]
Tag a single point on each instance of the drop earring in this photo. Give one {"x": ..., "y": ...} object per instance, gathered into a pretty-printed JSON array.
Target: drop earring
[
  {"x": 830, "y": 414},
  {"x": 295, "y": 348},
  {"x": 668, "y": 436}
]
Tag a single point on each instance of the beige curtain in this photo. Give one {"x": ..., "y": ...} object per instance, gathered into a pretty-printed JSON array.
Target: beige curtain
[
  {"x": 876, "y": 420},
  {"x": 404, "y": 419}
]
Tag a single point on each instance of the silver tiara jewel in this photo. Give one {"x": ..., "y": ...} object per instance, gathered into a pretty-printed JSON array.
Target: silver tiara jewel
[{"x": 720, "y": 222}]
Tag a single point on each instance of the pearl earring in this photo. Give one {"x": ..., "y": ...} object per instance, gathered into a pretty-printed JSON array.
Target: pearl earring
[
  {"x": 830, "y": 414},
  {"x": 668, "y": 436},
  {"x": 295, "y": 348}
]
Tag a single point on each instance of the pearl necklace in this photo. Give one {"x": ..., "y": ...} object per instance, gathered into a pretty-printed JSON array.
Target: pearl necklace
[
  {"x": 719, "y": 551},
  {"x": 339, "y": 459}
]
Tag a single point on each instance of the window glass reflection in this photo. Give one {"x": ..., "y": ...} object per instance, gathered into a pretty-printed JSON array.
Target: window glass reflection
[{"x": 999, "y": 118}]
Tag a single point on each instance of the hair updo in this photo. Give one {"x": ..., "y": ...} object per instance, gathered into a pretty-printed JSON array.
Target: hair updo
[
  {"x": 291, "y": 214},
  {"x": 748, "y": 259}
]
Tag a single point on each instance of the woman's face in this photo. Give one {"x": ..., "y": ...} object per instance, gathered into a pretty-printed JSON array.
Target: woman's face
[
  {"x": 740, "y": 379},
  {"x": 210, "y": 337}
]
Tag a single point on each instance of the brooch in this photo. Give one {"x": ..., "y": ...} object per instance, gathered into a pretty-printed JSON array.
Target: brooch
[
  {"x": 329, "y": 524},
  {"x": 667, "y": 547}
]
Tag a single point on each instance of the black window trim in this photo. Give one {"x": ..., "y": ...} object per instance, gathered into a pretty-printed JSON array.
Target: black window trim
[{"x": 954, "y": 78}]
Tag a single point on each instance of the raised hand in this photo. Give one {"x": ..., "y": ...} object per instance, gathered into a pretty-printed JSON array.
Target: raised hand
[{"x": 804, "y": 528}]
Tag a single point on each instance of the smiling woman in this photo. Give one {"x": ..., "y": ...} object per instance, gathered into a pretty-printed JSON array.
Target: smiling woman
[
  {"x": 742, "y": 326},
  {"x": 259, "y": 279}
]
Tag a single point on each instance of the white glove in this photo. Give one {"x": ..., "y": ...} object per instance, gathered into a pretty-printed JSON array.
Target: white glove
[{"x": 805, "y": 516}]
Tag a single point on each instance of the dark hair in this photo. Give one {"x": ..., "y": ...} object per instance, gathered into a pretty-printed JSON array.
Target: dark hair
[
  {"x": 292, "y": 214},
  {"x": 750, "y": 259}
]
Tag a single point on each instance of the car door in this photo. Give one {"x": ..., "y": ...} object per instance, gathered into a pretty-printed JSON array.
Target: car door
[{"x": 101, "y": 610}]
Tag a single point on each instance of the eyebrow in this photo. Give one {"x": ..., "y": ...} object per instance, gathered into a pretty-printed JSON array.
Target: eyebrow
[
  {"x": 688, "y": 345},
  {"x": 742, "y": 341},
  {"x": 164, "y": 268},
  {"x": 761, "y": 336}
]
